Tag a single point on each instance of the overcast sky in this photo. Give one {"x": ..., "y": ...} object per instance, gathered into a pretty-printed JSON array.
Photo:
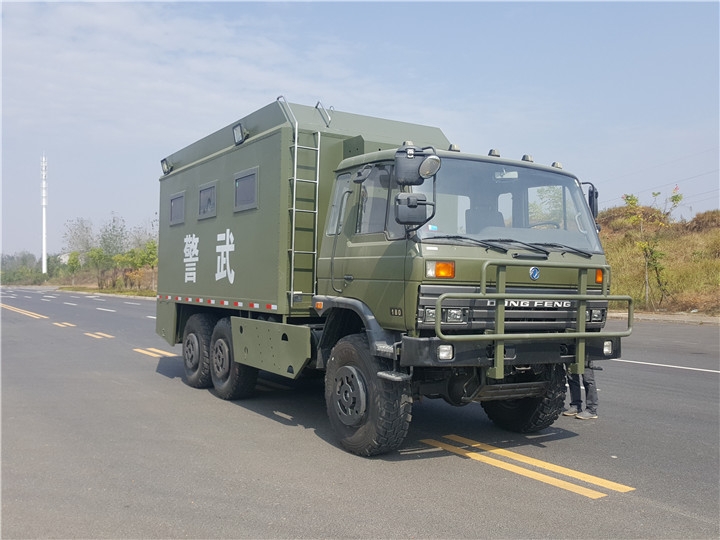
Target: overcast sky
[{"x": 625, "y": 95}]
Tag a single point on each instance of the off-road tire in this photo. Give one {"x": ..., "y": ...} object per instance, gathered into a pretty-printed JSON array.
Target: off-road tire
[
  {"x": 230, "y": 379},
  {"x": 370, "y": 415},
  {"x": 531, "y": 414},
  {"x": 196, "y": 350}
]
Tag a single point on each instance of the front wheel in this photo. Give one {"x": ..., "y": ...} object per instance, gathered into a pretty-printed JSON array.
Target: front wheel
[
  {"x": 230, "y": 379},
  {"x": 531, "y": 414},
  {"x": 370, "y": 415}
]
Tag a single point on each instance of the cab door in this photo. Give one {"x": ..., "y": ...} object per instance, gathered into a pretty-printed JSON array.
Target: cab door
[{"x": 368, "y": 262}]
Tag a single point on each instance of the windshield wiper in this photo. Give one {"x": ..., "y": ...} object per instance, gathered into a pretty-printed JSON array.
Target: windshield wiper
[
  {"x": 531, "y": 247},
  {"x": 565, "y": 248},
  {"x": 484, "y": 243}
]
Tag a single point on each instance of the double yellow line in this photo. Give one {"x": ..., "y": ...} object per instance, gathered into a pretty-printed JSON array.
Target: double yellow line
[
  {"x": 23, "y": 312},
  {"x": 154, "y": 353},
  {"x": 470, "y": 450}
]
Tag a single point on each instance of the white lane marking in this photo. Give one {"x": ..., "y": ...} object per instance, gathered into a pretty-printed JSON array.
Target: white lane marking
[
  {"x": 131, "y": 303},
  {"x": 103, "y": 309},
  {"x": 666, "y": 365},
  {"x": 69, "y": 304},
  {"x": 151, "y": 316}
]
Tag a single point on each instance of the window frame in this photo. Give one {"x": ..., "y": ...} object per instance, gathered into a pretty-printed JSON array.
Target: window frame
[
  {"x": 210, "y": 213},
  {"x": 243, "y": 175},
  {"x": 174, "y": 219}
]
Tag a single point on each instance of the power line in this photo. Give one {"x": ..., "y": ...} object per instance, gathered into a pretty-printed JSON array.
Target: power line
[
  {"x": 663, "y": 164},
  {"x": 676, "y": 182}
]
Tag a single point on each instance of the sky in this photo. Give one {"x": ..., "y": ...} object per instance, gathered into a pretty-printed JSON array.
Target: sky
[{"x": 624, "y": 95}]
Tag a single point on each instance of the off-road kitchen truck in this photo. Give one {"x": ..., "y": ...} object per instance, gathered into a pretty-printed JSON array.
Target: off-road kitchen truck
[{"x": 301, "y": 238}]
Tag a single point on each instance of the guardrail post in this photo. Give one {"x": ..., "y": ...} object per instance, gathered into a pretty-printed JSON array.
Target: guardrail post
[
  {"x": 498, "y": 369},
  {"x": 578, "y": 367}
]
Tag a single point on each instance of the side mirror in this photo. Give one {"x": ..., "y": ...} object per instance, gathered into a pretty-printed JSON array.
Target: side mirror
[
  {"x": 411, "y": 209},
  {"x": 413, "y": 165},
  {"x": 593, "y": 195}
]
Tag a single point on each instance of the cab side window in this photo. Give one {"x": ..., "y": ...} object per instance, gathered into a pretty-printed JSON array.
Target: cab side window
[
  {"x": 337, "y": 211},
  {"x": 373, "y": 215}
]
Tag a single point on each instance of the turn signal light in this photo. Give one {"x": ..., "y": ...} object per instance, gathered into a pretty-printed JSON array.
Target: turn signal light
[
  {"x": 598, "y": 275},
  {"x": 440, "y": 269}
]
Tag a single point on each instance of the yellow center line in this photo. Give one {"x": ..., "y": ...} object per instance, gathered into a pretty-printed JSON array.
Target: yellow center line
[
  {"x": 590, "y": 479},
  {"x": 23, "y": 312},
  {"x": 590, "y": 493},
  {"x": 93, "y": 335},
  {"x": 143, "y": 351},
  {"x": 161, "y": 352}
]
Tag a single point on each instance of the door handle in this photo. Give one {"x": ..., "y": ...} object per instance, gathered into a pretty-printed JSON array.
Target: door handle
[{"x": 348, "y": 278}]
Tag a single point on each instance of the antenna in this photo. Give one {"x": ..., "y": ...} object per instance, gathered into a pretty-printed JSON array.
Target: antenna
[{"x": 44, "y": 190}]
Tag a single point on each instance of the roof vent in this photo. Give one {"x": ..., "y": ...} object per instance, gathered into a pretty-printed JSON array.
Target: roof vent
[{"x": 493, "y": 153}]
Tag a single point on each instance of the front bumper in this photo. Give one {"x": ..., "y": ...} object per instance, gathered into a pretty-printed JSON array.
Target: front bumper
[{"x": 423, "y": 352}]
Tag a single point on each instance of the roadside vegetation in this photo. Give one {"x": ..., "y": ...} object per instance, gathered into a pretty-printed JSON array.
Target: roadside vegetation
[
  {"x": 664, "y": 265},
  {"x": 111, "y": 259}
]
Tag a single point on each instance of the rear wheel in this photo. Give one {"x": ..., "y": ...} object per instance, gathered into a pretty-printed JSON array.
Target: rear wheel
[
  {"x": 531, "y": 414},
  {"x": 230, "y": 379},
  {"x": 196, "y": 350},
  {"x": 370, "y": 415}
]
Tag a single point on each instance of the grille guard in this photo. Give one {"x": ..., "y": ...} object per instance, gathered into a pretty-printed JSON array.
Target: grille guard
[{"x": 499, "y": 336}]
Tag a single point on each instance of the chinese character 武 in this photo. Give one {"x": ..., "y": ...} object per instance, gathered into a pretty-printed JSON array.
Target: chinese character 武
[{"x": 223, "y": 258}]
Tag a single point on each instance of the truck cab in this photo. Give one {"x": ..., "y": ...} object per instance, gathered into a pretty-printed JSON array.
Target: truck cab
[{"x": 479, "y": 278}]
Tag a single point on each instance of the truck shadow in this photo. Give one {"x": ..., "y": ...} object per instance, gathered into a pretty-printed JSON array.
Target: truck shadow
[{"x": 301, "y": 403}]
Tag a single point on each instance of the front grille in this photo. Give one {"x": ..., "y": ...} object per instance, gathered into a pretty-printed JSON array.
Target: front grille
[{"x": 520, "y": 315}]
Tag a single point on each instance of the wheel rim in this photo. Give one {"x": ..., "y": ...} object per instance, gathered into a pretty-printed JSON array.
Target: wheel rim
[
  {"x": 350, "y": 396},
  {"x": 191, "y": 352},
  {"x": 221, "y": 360}
]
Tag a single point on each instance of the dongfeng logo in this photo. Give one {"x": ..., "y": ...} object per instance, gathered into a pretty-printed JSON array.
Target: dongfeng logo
[{"x": 534, "y": 273}]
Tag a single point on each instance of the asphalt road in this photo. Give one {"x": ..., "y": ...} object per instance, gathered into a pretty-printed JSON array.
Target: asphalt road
[{"x": 102, "y": 439}]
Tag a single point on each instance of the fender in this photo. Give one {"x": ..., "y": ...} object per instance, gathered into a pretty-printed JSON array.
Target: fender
[{"x": 340, "y": 323}]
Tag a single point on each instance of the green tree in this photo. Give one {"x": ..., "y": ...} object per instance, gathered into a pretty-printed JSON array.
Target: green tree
[
  {"x": 79, "y": 235},
  {"x": 649, "y": 223},
  {"x": 150, "y": 259},
  {"x": 101, "y": 263},
  {"x": 74, "y": 265},
  {"x": 22, "y": 267},
  {"x": 113, "y": 240}
]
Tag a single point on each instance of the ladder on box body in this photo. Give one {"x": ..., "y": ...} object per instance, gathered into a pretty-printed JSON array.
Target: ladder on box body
[{"x": 294, "y": 253}]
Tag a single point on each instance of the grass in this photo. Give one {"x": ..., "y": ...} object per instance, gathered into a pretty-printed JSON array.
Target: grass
[{"x": 689, "y": 260}]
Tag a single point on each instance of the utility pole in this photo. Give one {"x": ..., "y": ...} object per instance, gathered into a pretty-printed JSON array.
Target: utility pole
[{"x": 44, "y": 190}]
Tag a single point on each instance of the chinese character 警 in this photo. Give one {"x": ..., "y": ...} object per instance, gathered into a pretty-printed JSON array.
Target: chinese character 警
[{"x": 192, "y": 254}]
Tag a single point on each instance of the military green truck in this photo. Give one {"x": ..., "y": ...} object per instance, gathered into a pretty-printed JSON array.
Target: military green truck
[{"x": 304, "y": 240}]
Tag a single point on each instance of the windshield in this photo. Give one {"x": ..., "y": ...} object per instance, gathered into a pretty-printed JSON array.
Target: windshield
[{"x": 503, "y": 203}]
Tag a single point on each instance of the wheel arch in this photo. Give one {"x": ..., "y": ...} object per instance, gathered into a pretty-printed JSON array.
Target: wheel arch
[
  {"x": 184, "y": 311},
  {"x": 346, "y": 316}
]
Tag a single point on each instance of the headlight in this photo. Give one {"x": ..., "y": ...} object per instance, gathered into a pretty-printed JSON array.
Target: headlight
[
  {"x": 445, "y": 352},
  {"x": 595, "y": 315}
]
